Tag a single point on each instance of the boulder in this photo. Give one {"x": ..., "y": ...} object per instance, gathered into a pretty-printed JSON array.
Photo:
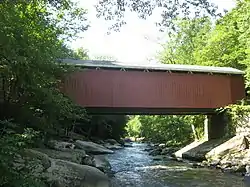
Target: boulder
[
  {"x": 34, "y": 162},
  {"x": 158, "y": 157},
  {"x": 197, "y": 165},
  {"x": 75, "y": 136},
  {"x": 111, "y": 141},
  {"x": 214, "y": 163},
  {"x": 155, "y": 152},
  {"x": 88, "y": 160},
  {"x": 121, "y": 142},
  {"x": 76, "y": 155},
  {"x": 101, "y": 162},
  {"x": 227, "y": 148},
  {"x": 37, "y": 155},
  {"x": 92, "y": 148},
  {"x": 148, "y": 149},
  {"x": 240, "y": 168},
  {"x": 168, "y": 150},
  {"x": 62, "y": 173},
  {"x": 128, "y": 144},
  {"x": 162, "y": 145},
  {"x": 68, "y": 174},
  {"x": 112, "y": 147},
  {"x": 60, "y": 145},
  {"x": 97, "y": 141},
  {"x": 127, "y": 140}
]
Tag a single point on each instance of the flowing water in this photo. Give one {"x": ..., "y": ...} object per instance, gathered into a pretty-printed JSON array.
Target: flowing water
[{"x": 133, "y": 167}]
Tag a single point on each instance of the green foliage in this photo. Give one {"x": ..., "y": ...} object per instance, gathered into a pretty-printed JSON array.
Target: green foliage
[
  {"x": 30, "y": 76},
  {"x": 114, "y": 11},
  {"x": 133, "y": 127},
  {"x": 197, "y": 41},
  {"x": 190, "y": 35},
  {"x": 170, "y": 129},
  {"x": 226, "y": 43},
  {"x": 11, "y": 145},
  {"x": 32, "y": 35},
  {"x": 240, "y": 117}
]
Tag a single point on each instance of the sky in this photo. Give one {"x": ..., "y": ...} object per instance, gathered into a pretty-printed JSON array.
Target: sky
[{"x": 137, "y": 42}]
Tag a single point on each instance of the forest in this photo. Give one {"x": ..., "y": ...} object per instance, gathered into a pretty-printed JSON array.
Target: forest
[{"x": 34, "y": 34}]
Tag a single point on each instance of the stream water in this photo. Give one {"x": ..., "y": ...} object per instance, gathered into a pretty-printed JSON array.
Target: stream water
[{"x": 133, "y": 167}]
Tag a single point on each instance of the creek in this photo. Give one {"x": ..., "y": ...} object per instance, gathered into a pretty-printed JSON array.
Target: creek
[{"x": 133, "y": 167}]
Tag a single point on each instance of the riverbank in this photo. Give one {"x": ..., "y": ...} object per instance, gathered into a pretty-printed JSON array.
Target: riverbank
[
  {"x": 80, "y": 162},
  {"x": 74, "y": 163},
  {"x": 228, "y": 154}
]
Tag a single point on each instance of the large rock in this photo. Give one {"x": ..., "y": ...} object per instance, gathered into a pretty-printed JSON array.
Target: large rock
[
  {"x": 112, "y": 147},
  {"x": 37, "y": 155},
  {"x": 93, "y": 148},
  {"x": 233, "y": 155},
  {"x": 68, "y": 174},
  {"x": 162, "y": 145},
  {"x": 230, "y": 151},
  {"x": 126, "y": 144},
  {"x": 127, "y": 140},
  {"x": 62, "y": 173},
  {"x": 111, "y": 141},
  {"x": 60, "y": 145},
  {"x": 168, "y": 150},
  {"x": 102, "y": 163},
  {"x": 73, "y": 155},
  {"x": 112, "y": 144},
  {"x": 121, "y": 142},
  {"x": 155, "y": 152},
  {"x": 197, "y": 150},
  {"x": 75, "y": 136},
  {"x": 32, "y": 161}
]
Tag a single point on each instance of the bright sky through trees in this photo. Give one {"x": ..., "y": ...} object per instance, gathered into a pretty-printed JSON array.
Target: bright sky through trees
[{"x": 137, "y": 42}]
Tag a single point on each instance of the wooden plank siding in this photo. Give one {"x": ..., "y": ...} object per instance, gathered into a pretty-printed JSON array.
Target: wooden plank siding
[{"x": 151, "y": 90}]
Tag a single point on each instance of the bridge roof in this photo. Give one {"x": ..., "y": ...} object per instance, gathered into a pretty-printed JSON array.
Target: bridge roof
[{"x": 152, "y": 66}]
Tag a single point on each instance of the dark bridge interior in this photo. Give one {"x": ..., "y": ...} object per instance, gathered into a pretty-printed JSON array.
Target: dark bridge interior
[{"x": 107, "y": 87}]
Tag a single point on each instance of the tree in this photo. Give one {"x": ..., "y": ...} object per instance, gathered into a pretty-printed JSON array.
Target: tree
[
  {"x": 33, "y": 35},
  {"x": 114, "y": 10},
  {"x": 31, "y": 43},
  {"x": 190, "y": 35},
  {"x": 224, "y": 44},
  {"x": 169, "y": 129},
  {"x": 133, "y": 127},
  {"x": 198, "y": 42}
]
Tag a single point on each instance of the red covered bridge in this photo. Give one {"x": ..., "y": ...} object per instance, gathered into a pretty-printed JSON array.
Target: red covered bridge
[{"x": 113, "y": 87}]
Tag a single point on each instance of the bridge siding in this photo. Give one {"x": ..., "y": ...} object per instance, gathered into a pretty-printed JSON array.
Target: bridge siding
[
  {"x": 134, "y": 89},
  {"x": 237, "y": 88}
]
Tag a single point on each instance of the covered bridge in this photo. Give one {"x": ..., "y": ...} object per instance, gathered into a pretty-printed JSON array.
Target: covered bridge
[
  {"x": 109, "y": 87},
  {"x": 113, "y": 87}
]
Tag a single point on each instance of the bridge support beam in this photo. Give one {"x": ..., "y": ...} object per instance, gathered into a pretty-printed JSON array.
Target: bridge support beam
[{"x": 215, "y": 126}]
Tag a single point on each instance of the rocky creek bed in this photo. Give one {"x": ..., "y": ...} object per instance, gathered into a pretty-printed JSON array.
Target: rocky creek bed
[{"x": 108, "y": 163}]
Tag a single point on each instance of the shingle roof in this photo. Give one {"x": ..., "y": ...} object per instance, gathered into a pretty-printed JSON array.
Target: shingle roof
[{"x": 152, "y": 66}]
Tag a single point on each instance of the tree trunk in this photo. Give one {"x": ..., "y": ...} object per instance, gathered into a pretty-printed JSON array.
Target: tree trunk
[{"x": 194, "y": 132}]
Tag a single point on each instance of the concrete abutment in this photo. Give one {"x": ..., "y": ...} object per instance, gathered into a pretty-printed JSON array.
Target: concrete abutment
[{"x": 215, "y": 126}]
